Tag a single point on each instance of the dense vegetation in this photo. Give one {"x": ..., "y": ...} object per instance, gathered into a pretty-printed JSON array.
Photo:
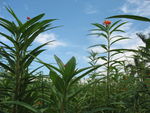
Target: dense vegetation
[{"x": 115, "y": 86}]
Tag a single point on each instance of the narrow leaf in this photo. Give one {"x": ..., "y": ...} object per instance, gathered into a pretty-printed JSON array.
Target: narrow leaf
[{"x": 134, "y": 17}]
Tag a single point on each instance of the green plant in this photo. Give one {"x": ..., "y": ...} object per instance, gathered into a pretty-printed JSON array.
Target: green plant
[
  {"x": 123, "y": 89},
  {"x": 93, "y": 60},
  {"x": 64, "y": 79},
  {"x": 107, "y": 31},
  {"x": 18, "y": 57}
]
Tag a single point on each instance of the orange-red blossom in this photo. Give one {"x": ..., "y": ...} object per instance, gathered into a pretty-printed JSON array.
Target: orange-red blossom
[{"x": 107, "y": 22}]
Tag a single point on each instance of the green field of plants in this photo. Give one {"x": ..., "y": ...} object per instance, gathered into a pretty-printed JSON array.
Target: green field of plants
[{"x": 114, "y": 86}]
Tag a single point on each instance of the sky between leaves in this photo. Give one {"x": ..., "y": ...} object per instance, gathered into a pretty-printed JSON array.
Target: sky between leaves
[{"x": 76, "y": 17}]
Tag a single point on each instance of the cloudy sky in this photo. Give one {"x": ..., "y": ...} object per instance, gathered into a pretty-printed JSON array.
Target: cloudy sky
[{"x": 76, "y": 17}]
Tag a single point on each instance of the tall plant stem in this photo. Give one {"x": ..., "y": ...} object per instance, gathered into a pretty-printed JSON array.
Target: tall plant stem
[
  {"x": 108, "y": 64},
  {"x": 17, "y": 89},
  {"x": 63, "y": 104},
  {"x": 62, "y": 108}
]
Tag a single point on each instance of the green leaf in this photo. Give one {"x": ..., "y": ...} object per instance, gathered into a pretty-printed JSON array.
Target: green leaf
[
  {"x": 6, "y": 67},
  {"x": 32, "y": 57},
  {"x": 84, "y": 74},
  {"x": 57, "y": 81},
  {"x": 116, "y": 28},
  {"x": 101, "y": 27},
  {"x": 8, "y": 25},
  {"x": 60, "y": 63},
  {"x": 114, "y": 24},
  {"x": 8, "y": 37},
  {"x": 118, "y": 40},
  {"x": 69, "y": 72},
  {"x": 95, "y": 45},
  {"x": 122, "y": 50},
  {"x": 14, "y": 15},
  {"x": 135, "y": 17},
  {"x": 116, "y": 52},
  {"x": 77, "y": 71},
  {"x": 119, "y": 30},
  {"x": 49, "y": 66},
  {"x": 104, "y": 46},
  {"x": 33, "y": 52},
  {"x": 29, "y": 107},
  {"x": 35, "y": 70},
  {"x": 8, "y": 57},
  {"x": 103, "y": 58},
  {"x": 101, "y": 45},
  {"x": 33, "y": 31},
  {"x": 31, "y": 22},
  {"x": 117, "y": 36},
  {"x": 83, "y": 88},
  {"x": 8, "y": 47},
  {"x": 29, "y": 31},
  {"x": 28, "y": 42},
  {"x": 101, "y": 110},
  {"x": 100, "y": 34}
]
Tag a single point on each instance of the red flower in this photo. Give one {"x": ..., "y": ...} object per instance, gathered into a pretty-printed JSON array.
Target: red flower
[
  {"x": 28, "y": 18},
  {"x": 107, "y": 22}
]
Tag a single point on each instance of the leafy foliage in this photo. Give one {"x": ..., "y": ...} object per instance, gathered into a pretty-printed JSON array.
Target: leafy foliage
[
  {"x": 18, "y": 57},
  {"x": 64, "y": 79},
  {"x": 121, "y": 88}
]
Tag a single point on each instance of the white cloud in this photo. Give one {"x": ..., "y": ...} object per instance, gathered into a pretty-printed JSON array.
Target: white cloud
[
  {"x": 134, "y": 1},
  {"x": 45, "y": 37},
  {"x": 137, "y": 7},
  {"x": 90, "y": 9},
  {"x": 135, "y": 41}
]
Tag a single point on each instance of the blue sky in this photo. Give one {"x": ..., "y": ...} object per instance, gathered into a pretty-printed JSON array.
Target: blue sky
[{"x": 76, "y": 17}]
